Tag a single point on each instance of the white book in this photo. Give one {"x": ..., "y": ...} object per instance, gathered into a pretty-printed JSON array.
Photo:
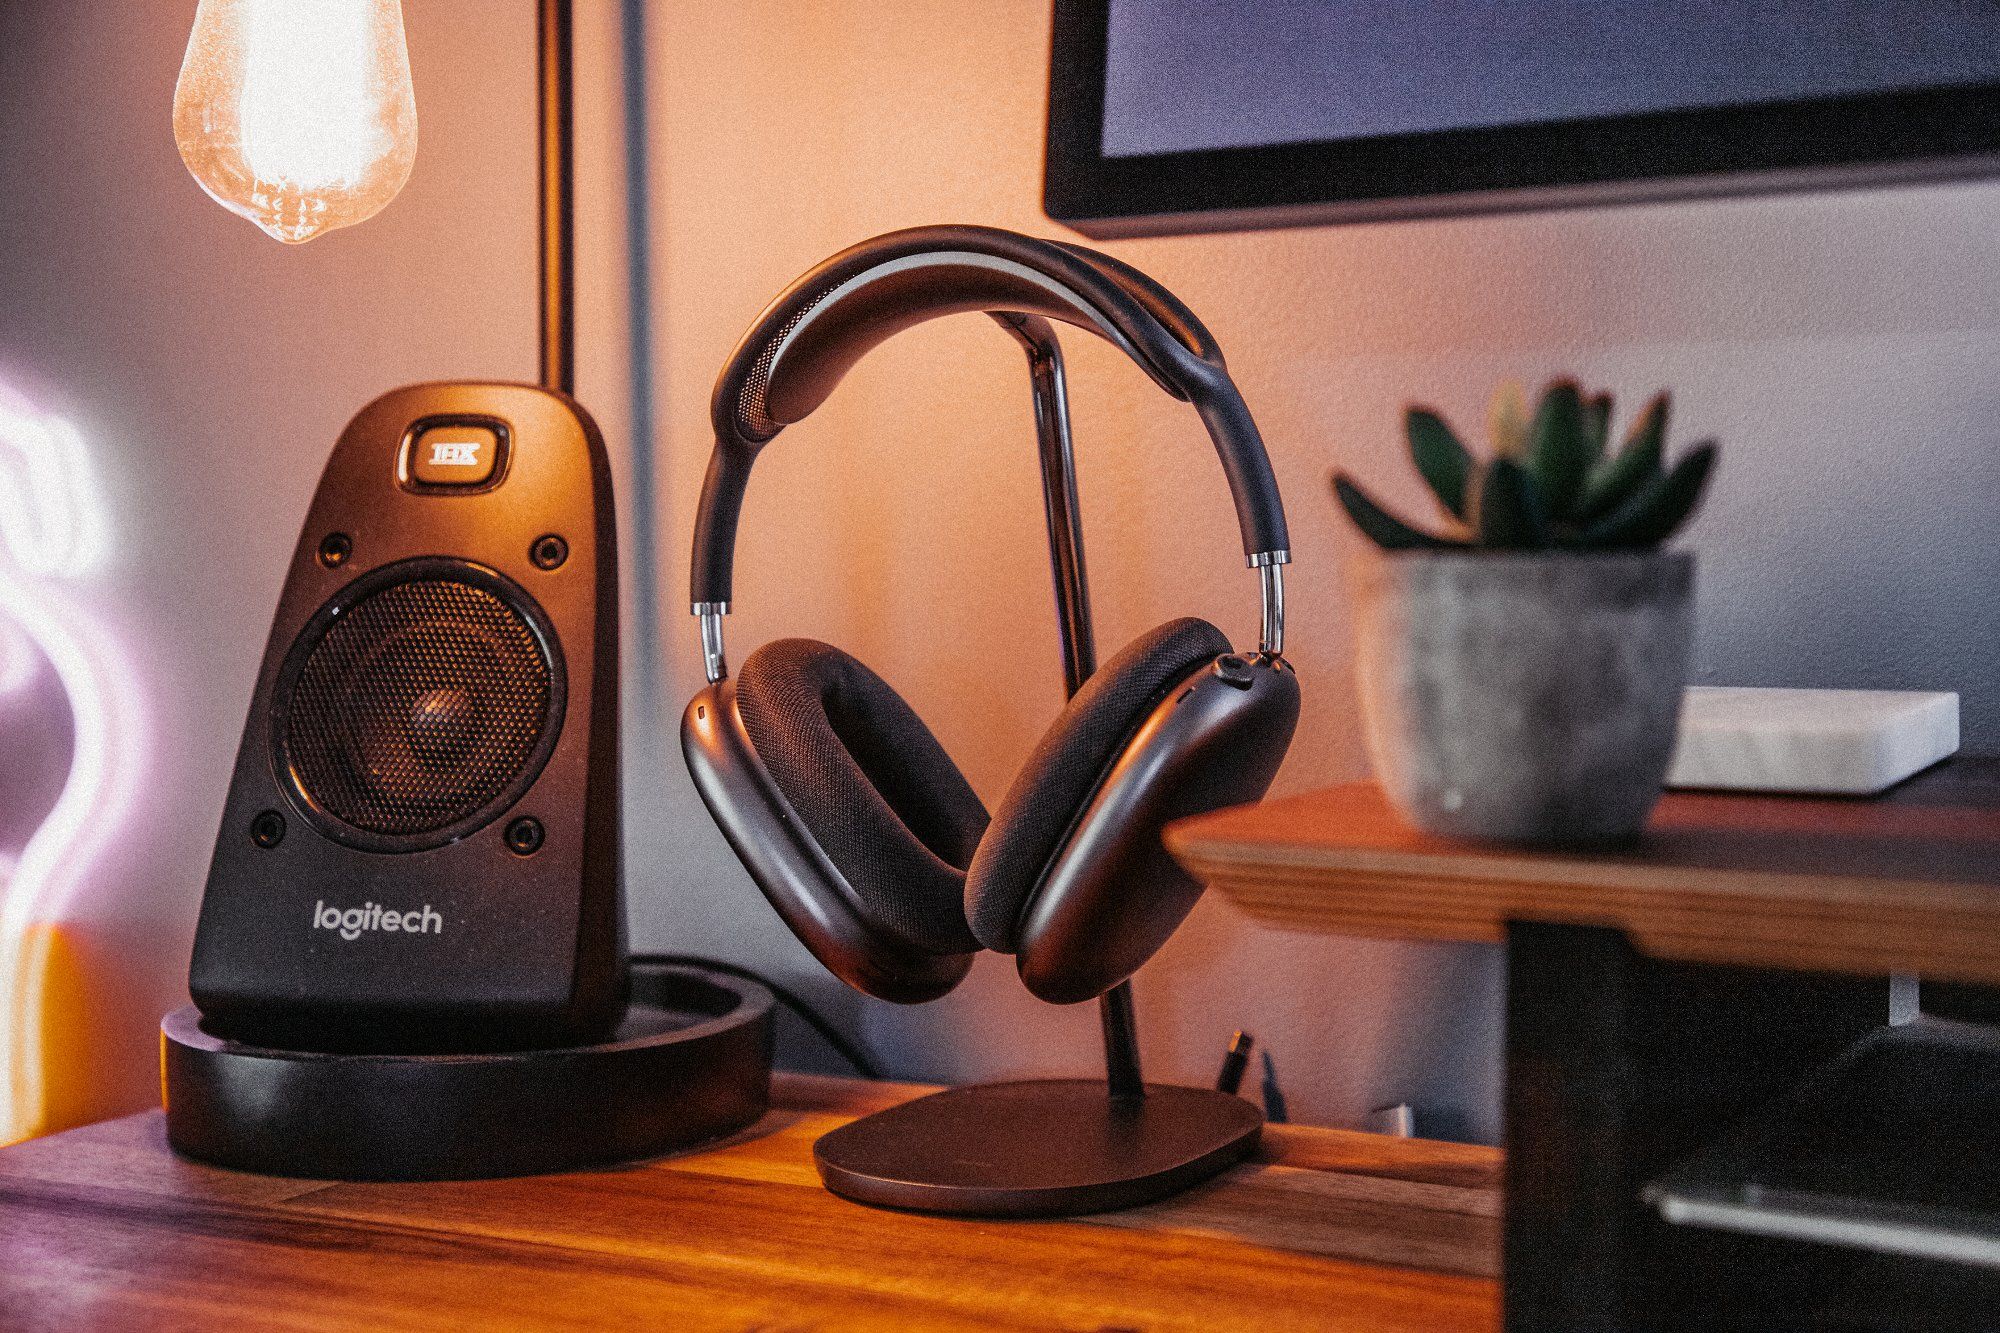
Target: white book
[{"x": 1829, "y": 742}]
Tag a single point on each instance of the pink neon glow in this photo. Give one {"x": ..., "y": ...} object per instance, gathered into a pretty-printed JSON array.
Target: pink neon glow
[
  {"x": 19, "y": 662},
  {"x": 52, "y": 537}
]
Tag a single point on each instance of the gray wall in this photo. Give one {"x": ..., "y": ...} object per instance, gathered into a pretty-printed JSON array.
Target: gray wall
[{"x": 1840, "y": 345}]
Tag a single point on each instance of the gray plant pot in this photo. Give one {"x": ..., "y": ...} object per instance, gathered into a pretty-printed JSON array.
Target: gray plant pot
[{"x": 1524, "y": 697}]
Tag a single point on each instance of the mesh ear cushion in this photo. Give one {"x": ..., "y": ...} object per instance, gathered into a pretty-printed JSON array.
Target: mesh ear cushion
[
  {"x": 870, "y": 783},
  {"x": 1065, "y": 768}
]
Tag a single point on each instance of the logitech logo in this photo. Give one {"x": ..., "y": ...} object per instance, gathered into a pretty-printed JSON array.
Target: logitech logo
[{"x": 373, "y": 916}]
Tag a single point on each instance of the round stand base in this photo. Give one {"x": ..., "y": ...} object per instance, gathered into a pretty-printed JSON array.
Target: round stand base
[
  {"x": 1042, "y": 1148},
  {"x": 691, "y": 1062}
]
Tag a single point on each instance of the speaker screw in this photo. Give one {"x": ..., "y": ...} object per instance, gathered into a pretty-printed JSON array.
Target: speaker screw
[
  {"x": 267, "y": 830},
  {"x": 524, "y": 837},
  {"x": 549, "y": 552},
  {"x": 334, "y": 548}
]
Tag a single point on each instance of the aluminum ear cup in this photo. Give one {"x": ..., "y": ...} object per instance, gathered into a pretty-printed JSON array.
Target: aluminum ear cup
[
  {"x": 1065, "y": 769},
  {"x": 1111, "y": 896},
  {"x": 848, "y": 813}
]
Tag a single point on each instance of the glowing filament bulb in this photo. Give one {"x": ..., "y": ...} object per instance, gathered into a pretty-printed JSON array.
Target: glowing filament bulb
[{"x": 298, "y": 114}]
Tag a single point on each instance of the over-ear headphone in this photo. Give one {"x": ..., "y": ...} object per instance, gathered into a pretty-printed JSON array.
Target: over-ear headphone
[{"x": 844, "y": 807}]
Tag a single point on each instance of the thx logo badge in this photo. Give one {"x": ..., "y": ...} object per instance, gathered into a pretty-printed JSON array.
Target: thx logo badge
[
  {"x": 454, "y": 453},
  {"x": 373, "y": 916}
]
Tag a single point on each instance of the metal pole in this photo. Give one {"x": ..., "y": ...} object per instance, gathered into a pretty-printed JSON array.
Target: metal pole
[
  {"x": 558, "y": 219},
  {"x": 1121, "y": 1042},
  {"x": 1073, "y": 623}
]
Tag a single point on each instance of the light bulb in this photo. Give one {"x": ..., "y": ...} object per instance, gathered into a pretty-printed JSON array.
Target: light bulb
[{"x": 298, "y": 114}]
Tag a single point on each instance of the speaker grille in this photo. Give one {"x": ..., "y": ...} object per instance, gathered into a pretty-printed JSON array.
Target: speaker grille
[{"x": 419, "y": 707}]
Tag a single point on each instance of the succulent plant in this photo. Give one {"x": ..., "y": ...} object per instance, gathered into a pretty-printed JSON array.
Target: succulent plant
[{"x": 1550, "y": 485}]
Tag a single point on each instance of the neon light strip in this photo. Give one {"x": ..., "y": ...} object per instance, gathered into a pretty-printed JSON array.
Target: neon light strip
[
  {"x": 52, "y": 529},
  {"x": 51, "y": 521},
  {"x": 19, "y": 663}
]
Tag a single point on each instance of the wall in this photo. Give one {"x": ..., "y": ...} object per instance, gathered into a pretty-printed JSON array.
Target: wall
[{"x": 1841, "y": 345}]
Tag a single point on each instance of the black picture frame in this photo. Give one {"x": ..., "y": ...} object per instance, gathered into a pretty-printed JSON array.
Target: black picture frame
[{"x": 1918, "y": 134}]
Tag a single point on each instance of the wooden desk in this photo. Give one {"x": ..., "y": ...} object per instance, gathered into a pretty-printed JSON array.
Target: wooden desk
[
  {"x": 102, "y": 1227},
  {"x": 1656, "y": 995}
]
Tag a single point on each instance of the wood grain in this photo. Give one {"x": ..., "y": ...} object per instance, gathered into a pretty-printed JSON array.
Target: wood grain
[
  {"x": 1905, "y": 884},
  {"x": 102, "y": 1227}
]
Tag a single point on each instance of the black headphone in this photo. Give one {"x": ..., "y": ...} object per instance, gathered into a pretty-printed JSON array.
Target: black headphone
[{"x": 847, "y": 812}]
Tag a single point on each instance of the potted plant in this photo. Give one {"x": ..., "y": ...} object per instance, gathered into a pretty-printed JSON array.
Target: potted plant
[{"x": 1522, "y": 663}]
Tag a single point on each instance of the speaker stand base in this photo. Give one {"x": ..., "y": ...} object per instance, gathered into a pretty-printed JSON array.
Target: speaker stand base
[
  {"x": 690, "y": 1063},
  {"x": 1040, "y": 1148}
]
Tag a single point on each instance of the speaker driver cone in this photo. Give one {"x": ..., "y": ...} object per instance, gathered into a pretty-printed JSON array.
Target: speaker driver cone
[{"x": 417, "y": 705}]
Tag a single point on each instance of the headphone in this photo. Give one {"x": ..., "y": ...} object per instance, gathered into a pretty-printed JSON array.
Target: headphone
[{"x": 843, "y": 806}]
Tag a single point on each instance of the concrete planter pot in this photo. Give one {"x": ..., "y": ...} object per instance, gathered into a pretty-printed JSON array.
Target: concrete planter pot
[{"x": 1526, "y": 698}]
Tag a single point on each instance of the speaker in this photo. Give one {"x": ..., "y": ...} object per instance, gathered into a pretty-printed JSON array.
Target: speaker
[{"x": 420, "y": 846}]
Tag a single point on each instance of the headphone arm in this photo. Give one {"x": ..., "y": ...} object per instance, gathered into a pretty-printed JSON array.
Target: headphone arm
[{"x": 1049, "y": 386}]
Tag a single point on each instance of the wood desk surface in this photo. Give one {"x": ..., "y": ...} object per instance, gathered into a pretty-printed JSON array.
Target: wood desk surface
[
  {"x": 102, "y": 1227},
  {"x": 1908, "y": 882}
]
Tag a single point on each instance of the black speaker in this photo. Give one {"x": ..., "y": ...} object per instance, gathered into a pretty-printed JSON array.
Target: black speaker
[{"x": 420, "y": 847}]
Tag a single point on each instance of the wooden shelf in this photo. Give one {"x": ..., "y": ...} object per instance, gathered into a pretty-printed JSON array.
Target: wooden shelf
[{"x": 1907, "y": 882}]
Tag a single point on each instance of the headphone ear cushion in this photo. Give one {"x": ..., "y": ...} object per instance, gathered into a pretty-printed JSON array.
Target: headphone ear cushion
[
  {"x": 870, "y": 783},
  {"x": 1066, "y": 767}
]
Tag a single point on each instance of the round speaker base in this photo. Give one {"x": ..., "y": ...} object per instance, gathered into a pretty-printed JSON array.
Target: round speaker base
[
  {"x": 1041, "y": 1148},
  {"x": 691, "y": 1062}
]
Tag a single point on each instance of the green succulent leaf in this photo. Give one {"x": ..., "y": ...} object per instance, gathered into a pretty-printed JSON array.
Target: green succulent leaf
[
  {"x": 1619, "y": 477},
  {"x": 1551, "y": 484},
  {"x": 1597, "y": 416},
  {"x": 1440, "y": 458},
  {"x": 1560, "y": 452},
  {"x": 1380, "y": 526},
  {"x": 1508, "y": 512},
  {"x": 1507, "y": 419},
  {"x": 1659, "y": 507},
  {"x": 1652, "y": 422}
]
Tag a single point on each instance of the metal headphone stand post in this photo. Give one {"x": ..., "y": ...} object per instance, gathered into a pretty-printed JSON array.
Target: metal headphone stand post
[
  {"x": 1073, "y": 620},
  {"x": 1047, "y": 1147}
]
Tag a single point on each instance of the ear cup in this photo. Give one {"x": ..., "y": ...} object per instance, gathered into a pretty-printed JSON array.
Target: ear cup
[
  {"x": 870, "y": 783},
  {"x": 1066, "y": 766}
]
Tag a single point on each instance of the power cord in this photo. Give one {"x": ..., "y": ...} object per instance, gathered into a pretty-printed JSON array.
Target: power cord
[{"x": 842, "y": 1046}]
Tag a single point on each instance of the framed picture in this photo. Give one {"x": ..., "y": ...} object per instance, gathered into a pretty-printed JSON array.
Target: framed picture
[{"x": 1210, "y": 115}]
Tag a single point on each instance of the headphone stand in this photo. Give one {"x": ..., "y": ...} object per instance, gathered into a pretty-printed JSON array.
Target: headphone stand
[{"x": 1046, "y": 1147}]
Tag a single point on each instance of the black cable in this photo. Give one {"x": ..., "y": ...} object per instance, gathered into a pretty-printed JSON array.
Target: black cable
[
  {"x": 1275, "y": 1110},
  {"x": 1234, "y": 1061},
  {"x": 847, "y": 1050}
]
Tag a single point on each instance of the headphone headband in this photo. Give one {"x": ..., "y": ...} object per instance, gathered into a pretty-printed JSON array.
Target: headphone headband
[{"x": 807, "y": 339}]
